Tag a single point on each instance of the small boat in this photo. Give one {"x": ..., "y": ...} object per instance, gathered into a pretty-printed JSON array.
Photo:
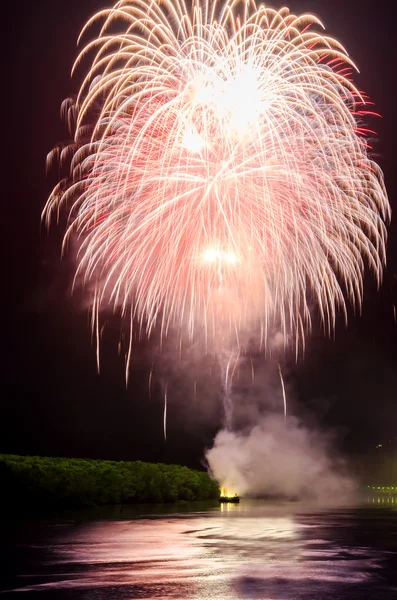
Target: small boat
[{"x": 233, "y": 499}]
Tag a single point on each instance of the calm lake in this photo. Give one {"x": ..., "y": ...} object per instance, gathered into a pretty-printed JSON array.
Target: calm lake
[{"x": 258, "y": 550}]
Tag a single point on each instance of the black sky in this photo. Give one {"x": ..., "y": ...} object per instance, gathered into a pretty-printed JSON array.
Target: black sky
[{"x": 53, "y": 401}]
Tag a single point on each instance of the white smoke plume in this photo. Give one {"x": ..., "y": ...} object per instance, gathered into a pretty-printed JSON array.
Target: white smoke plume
[{"x": 279, "y": 457}]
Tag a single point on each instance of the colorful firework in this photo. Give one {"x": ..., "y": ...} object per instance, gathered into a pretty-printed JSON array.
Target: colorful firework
[{"x": 220, "y": 176}]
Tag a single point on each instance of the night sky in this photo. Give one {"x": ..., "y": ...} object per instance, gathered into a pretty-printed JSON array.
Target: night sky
[{"x": 53, "y": 400}]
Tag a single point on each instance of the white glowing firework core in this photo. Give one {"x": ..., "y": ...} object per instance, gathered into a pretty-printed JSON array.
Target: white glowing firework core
[
  {"x": 212, "y": 255},
  {"x": 236, "y": 100},
  {"x": 192, "y": 140}
]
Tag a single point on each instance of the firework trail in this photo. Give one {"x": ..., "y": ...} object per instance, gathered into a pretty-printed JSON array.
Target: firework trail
[
  {"x": 228, "y": 363},
  {"x": 220, "y": 176},
  {"x": 283, "y": 391}
]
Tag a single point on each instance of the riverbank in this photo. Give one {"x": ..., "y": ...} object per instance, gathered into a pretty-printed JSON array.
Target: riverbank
[{"x": 69, "y": 482}]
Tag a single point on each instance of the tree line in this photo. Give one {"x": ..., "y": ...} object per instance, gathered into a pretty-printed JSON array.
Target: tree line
[{"x": 70, "y": 482}]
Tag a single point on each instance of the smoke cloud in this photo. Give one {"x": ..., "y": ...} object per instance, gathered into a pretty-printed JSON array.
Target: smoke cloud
[{"x": 279, "y": 457}]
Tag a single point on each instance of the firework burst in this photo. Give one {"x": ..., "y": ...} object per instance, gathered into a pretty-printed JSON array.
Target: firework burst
[{"x": 220, "y": 175}]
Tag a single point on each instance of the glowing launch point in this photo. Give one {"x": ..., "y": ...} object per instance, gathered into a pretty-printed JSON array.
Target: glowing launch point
[{"x": 228, "y": 496}]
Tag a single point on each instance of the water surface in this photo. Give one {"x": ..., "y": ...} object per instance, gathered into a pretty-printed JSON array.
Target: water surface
[{"x": 263, "y": 551}]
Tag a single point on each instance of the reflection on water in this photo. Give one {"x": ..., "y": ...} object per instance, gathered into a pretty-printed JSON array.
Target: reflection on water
[
  {"x": 260, "y": 551},
  {"x": 382, "y": 499}
]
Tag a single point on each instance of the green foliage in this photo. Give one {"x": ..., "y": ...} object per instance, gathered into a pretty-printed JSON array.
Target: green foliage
[{"x": 43, "y": 481}]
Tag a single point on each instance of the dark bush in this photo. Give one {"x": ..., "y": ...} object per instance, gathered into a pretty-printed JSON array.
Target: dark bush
[{"x": 68, "y": 482}]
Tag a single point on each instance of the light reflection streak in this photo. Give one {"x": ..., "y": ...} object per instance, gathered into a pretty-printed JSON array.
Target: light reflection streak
[{"x": 236, "y": 552}]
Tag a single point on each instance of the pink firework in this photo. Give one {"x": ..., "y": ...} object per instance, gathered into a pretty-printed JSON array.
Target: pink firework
[{"x": 220, "y": 176}]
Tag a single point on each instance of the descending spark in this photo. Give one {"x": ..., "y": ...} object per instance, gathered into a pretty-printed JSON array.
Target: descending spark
[
  {"x": 220, "y": 175},
  {"x": 129, "y": 353},
  {"x": 150, "y": 382},
  {"x": 227, "y": 372},
  {"x": 95, "y": 331},
  {"x": 165, "y": 414},
  {"x": 227, "y": 399},
  {"x": 283, "y": 390}
]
